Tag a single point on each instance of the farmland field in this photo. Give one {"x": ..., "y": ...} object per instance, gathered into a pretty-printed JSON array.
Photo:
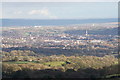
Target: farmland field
[
  {"x": 55, "y": 63},
  {"x": 19, "y": 62}
]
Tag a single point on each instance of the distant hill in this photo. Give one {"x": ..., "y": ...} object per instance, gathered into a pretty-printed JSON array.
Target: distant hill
[{"x": 52, "y": 22}]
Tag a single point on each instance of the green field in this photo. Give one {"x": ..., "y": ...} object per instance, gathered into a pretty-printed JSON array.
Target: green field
[
  {"x": 116, "y": 62},
  {"x": 19, "y": 62},
  {"x": 55, "y": 63},
  {"x": 113, "y": 75}
]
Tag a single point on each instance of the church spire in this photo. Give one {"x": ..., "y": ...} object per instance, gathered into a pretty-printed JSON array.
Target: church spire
[{"x": 86, "y": 33}]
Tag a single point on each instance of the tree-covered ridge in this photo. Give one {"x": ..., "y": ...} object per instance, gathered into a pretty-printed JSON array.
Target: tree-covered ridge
[{"x": 18, "y": 63}]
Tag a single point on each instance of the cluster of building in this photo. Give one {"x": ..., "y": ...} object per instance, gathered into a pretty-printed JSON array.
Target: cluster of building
[{"x": 64, "y": 41}]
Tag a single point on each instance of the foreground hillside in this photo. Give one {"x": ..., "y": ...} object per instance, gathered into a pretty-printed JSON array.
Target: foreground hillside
[{"x": 60, "y": 66}]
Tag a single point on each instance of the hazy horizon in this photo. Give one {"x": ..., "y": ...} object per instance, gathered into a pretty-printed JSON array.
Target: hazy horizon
[{"x": 53, "y": 22}]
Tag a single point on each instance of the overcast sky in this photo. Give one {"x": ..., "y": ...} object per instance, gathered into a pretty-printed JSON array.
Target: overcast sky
[
  {"x": 59, "y": 0},
  {"x": 49, "y": 10}
]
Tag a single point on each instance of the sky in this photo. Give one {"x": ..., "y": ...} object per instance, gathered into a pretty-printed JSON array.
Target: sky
[
  {"x": 60, "y": 0},
  {"x": 59, "y": 10}
]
